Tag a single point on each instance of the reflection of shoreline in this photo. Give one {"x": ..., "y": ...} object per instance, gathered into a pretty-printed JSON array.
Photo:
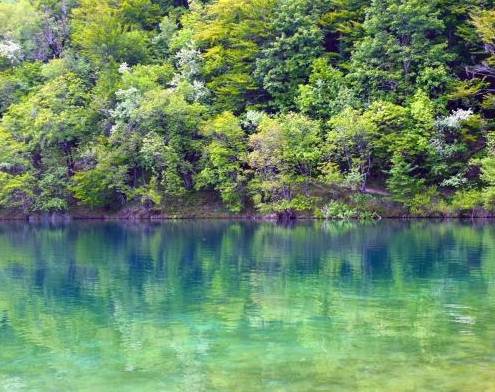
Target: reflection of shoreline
[{"x": 373, "y": 250}]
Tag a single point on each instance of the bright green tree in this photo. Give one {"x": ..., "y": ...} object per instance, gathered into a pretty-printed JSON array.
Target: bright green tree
[
  {"x": 18, "y": 82},
  {"x": 108, "y": 32},
  {"x": 284, "y": 158},
  {"x": 17, "y": 182},
  {"x": 51, "y": 122},
  {"x": 225, "y": 155},
  {"x": 488, "y": 174},
  {"x": 230, "y": 34},
  {"x": 350, "y": 143}
]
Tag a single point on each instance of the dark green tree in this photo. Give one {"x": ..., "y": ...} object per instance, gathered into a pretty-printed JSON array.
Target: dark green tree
[
  {"x": 285, "y": 63},
  {"x": 403, "y": 40}
]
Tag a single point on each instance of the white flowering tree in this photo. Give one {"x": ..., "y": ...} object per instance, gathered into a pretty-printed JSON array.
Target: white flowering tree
[
  {"x": 11, "y": 51},
  {"x": 450, "y": 144},
  {"x": 188, "y": 78}
]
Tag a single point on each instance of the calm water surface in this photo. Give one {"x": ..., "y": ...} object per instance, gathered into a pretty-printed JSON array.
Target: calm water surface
[{"x": 241, "y": 306}]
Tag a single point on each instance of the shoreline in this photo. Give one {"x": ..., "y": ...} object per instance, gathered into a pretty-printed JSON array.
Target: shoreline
[{"x": 67, "y": 217}]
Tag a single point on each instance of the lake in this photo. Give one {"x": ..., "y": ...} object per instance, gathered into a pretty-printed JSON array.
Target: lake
[{"x": 247, "y": 306}]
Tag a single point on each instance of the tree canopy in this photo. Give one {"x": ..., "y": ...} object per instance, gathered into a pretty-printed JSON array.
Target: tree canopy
[{"x": 278, "y": 106}]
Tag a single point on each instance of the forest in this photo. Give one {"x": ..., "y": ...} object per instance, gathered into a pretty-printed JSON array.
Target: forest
[{"x": 325, "y": 108}]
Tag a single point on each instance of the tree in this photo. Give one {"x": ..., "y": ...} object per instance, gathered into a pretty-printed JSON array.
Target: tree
[
  {"x": 349, "y": 143},
  {"x": 454, "y": 138},
  {"x": 169, "y": 114},
  {"x": 152, "y": 145},
  {"x": 55, "y": 26},
  {"x": 392, "y": 123},
  {"x": 17, "y": 182},
  {"x": 17, "y": 191},
  {"x": 409, "y": 173},
  {"x": 230, "y": 35},
  {"x": 402, "y": 182},
  {"x": 50, "y": 123},
  {"x": 225, "y": 155},
  {"x": 284, "y": 158},
  {"x": 20, "y": 33},
  {"x": 285, "y": 62},
  {"x": 104, "y": 182},
  {"x": 52, "y": 117},
  {"x": 460, "y": 31},
  {"x": 484, "y": 22},
  {"x": 327, "y": 93},
  {"x": 402, "y": 40},
  {"x": 342, "y": 27},
  {"x": 17, "y": 82},
  {"x": 112, "y": 32},
  {"x": 488, "y": 174}
]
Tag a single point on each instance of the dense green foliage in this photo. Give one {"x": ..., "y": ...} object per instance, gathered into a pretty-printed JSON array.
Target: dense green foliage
[{"x": 280, "y": 105}]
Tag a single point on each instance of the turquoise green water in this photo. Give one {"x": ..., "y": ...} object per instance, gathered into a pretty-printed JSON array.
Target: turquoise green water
[{"x": 241, "y": 306}]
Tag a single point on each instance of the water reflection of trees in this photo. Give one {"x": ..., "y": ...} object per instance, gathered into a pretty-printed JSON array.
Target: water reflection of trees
[
  {"x": 158, "y": 290},
  {"x": 190, "y": 258},
  {"x": 86, "y": 258}
]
